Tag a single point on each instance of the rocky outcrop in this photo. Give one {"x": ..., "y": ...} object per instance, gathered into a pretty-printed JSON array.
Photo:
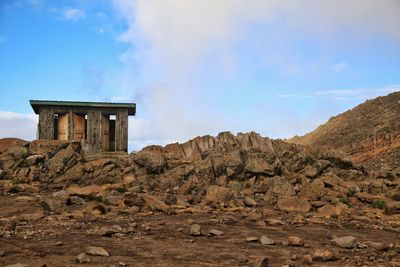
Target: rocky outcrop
[
  {"x": 368, "y": 133},
  {"x": 222, "y": 171}
]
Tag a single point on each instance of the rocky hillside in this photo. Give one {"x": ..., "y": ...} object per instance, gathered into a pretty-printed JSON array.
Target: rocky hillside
[{"x": 368, "y": 133}]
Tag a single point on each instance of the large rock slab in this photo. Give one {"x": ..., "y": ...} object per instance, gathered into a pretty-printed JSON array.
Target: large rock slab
[{"x": 293, "y": 204}]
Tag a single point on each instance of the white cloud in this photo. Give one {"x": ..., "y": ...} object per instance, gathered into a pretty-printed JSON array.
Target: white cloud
[
  {"x": 347, "y": 94},
  {"x": 18, "y": 125},
  {"x": 341, "y": 66},
  {"x": 74, "y": 14},
  {"x": 173, "y": 41}
]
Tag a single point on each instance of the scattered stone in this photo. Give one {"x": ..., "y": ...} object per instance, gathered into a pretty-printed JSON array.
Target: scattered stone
[
  {"x": 59, "y": 243},
  {"x": 295, "y": 241},
  {"x": 249, "y": 202},
  {"x": 97, "y": 251},
  {"x": 18, "y": 265},
  {"x": 265, "y": 240},
  {"x": 274, "y": 222},
  {"x": 215, "y": 232},
  {"x": 195, "y": 230},
  {"x": 378, "y": 246},
  {"x": 345, "y": 241},
  {"x": 53, "y": 204},
  {"x": 324, "y": 255},
  {"x": 83, "y": 258},
  {"x": 252, "y": 239},
  {"x": 23, "y": 199}
]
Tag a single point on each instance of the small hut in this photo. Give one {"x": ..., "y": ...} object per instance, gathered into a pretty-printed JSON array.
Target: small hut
[{"x": 102, "y": 125}]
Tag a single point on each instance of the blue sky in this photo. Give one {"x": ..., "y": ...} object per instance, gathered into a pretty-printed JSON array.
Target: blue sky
[{"x": 198, "y": 67}]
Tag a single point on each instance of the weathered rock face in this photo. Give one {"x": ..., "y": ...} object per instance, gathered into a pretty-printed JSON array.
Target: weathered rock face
[{"x": 369, "y": 133}]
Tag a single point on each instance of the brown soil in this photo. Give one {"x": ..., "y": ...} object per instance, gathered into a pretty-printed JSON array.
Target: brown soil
[{"x": 168, "y": 242}]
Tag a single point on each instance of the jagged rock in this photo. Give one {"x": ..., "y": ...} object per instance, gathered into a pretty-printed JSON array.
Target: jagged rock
[
  {"x": 293, "y": 204},
  {"x": 345, "y": 241}
]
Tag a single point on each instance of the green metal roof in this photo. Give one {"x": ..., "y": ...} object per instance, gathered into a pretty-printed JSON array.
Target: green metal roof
[{"x": 37, "y": 103}]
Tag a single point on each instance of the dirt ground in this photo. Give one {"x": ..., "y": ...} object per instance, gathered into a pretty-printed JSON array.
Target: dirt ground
[{"x": 159, "y": 239}]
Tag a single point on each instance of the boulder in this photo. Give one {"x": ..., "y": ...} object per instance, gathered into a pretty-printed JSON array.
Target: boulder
[
  {"x": 259, "y": 166},
  {"x": 295, "y": 241},
  {"x": 97, "y": 251},
  {"x": 152, "y": 159},
  {"x": 293, "y": 204},
  {"x": 133, "y": 199},
  {"x": 53, "y": 204},
  {"x": 217, "y": 194},
  {"x": 345, "y": 241},
  {"x": 324, "y": 255},
  {"x": 265, "y": 240}
]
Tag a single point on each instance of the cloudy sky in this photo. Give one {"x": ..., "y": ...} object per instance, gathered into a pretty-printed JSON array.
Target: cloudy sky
[{"x": 195, "y": 67}]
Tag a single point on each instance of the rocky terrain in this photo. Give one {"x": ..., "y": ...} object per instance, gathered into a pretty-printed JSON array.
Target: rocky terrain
[
  {"x": 228, "y": 200},
  {"x": 368, "y": 133}
]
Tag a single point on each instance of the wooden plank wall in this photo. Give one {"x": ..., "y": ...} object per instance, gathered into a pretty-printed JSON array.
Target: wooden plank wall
[
  {"x": 105, "y": 132},
  {"x": 94, "y": 136},
  {"x": 121, "y": 130},
  {"x": 46, "y": 124}
]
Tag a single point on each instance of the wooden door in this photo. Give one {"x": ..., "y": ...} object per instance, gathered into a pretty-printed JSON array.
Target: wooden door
[
  {"x": 79, "y": 127},
  {"x": 105, "y": 132},
  {"x": 62, "y": 127}
]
